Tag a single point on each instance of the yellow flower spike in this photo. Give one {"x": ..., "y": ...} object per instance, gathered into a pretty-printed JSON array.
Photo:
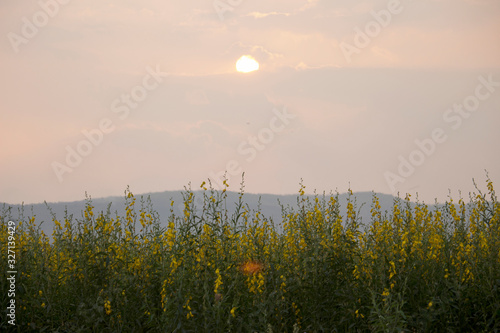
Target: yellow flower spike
[
  {"x": 107, "y": 307},
  {"x": 218, "y": 281}
]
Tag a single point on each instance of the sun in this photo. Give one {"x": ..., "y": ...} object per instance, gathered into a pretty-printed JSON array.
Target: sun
[{"x": 246, "y": 64}]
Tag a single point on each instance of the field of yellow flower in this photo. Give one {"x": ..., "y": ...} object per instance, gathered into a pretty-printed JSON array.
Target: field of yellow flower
[{"x": 413, "y": 269}]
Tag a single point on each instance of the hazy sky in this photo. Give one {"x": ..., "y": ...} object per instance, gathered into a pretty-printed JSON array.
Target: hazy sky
[{"x": 385, "y": 95}]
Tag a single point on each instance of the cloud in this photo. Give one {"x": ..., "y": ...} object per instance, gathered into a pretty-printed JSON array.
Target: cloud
[
  {"x": 258, "y": 51},
  {"x": 197, "y": 97},
  {"x": 259, "y": 15}
]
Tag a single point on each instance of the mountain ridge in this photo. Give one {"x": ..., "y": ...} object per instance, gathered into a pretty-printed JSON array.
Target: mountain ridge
[{"x": 270, "y": 205}]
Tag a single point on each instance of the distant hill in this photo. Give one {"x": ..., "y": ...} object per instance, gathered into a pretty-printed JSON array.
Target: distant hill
[{"x": 269, "y": 206}]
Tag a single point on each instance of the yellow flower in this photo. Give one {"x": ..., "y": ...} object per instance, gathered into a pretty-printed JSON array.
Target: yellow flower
[
  {"x": 107, "y": 307},
  {"x": 40, "y": 293},
  {"x": 232, "y": 312},
  {"x": 392, "y": 270},
  {"x": 218, "y": 282},
  {"x": 430, "y": 304},
  {"x": 188, "y": 308},
  {"x": 43, "y": 305}
]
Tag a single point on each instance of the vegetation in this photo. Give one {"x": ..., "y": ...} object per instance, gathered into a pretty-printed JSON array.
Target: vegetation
[{"x": 413, "y": 269}]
